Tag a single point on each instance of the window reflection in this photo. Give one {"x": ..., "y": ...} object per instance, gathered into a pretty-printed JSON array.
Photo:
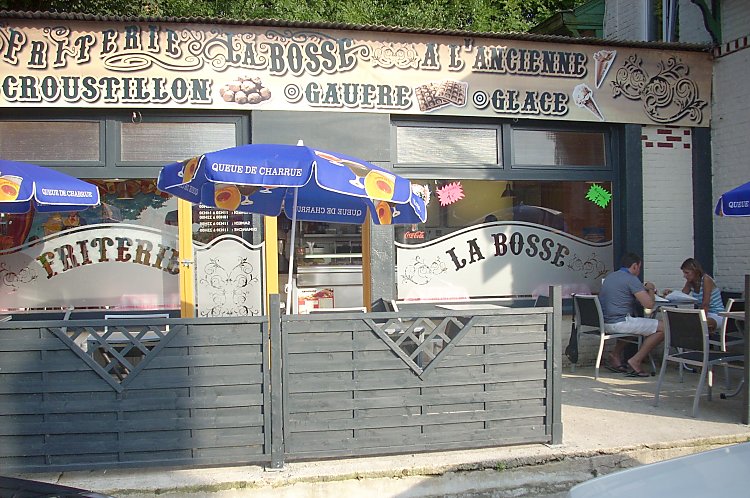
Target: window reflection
[
  {"x": 561, "y": 205},
  {"x": 134, "y": 201}
]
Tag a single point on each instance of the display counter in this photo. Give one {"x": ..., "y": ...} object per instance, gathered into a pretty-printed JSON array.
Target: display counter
[
  {"x": 334, "y": 249},
  {"x": 327, "y": 266},
  {"x": 326, "y": 287}
]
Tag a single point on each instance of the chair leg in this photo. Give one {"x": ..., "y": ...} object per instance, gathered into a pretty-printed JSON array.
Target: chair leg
[
  {"x": 710, "y": 381},
  {"x": 653, "y": 363},
  {"x": 726, "y": 376},
  {"x": 682, "y": 367},
  {"x": 658, "y": 383},
  {"x": 699, "y": 390},
  {"x": 599, "y": 357}
]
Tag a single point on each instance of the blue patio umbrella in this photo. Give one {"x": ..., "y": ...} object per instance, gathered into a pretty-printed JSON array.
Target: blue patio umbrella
[
  {"x": 24, "y": 185},
  {"x": 308, "y": 184},
  {"x": 736, "y": 202}
]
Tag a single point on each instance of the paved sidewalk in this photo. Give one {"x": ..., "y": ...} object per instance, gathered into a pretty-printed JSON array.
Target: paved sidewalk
[{"x": 608, "y": 424}]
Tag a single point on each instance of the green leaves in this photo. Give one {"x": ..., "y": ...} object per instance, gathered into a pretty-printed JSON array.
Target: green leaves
[{"x": 464, "y": 15}]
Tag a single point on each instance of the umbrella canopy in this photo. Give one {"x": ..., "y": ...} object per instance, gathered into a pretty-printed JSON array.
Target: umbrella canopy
[
  {"x": 736, "y": 202},
  {"x": 23, "y": 185},
  {"x": 306, "y": 183},
  {"x": 265, "y": 178}
]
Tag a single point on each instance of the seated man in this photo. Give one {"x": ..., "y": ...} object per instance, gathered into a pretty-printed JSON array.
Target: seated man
[{"x": 621, "y": 291}]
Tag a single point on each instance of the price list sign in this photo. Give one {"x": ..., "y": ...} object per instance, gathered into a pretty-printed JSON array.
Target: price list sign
[{"x": 213, "y": 222}]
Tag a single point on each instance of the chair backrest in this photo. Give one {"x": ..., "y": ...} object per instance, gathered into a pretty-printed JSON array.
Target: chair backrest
[
  {"x": 734, "y": 304},
  {"x": 541, "y": 301},
  {"x": 379, "y": 305},
  {"x": 685, "y": 328},
  {"x": 588, "y": 311}
]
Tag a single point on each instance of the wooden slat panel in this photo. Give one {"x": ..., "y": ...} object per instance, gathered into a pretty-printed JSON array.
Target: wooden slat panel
[
  {"x": 338, "y": 382},
  {"x": 199, "y": 398},
  {"x": 104, "y": 444},
  {"x": 303, "y": 445},
  {"x": 516, "y": 410}
]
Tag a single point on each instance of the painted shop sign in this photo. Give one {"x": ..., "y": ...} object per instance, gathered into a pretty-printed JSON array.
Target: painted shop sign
[
  {"x": 95, "y": 64},
  {"x": 124, "y": 266},
  {"x": 120, "y": 265},
  {"x": 501, "y": 259}
]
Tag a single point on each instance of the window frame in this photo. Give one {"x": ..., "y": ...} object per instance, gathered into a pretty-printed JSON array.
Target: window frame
[
  {"x": 554, "y": 127},
  {"x": 109, "y": 165},
  {"x": 456, "y": 170}
]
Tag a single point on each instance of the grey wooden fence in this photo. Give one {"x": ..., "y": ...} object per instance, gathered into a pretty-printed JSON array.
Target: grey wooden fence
[
  {"x": 86, "y": 394},
  {"x": 420, "y": 380},
  {"x": 72, "y": 396}
]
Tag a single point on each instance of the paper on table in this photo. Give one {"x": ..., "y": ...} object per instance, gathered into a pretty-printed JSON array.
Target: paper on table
[{"x": 676, "y": 296}]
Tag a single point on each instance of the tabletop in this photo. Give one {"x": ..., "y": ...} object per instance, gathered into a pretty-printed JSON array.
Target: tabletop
[
  {"x": 464, "y": 307},
  {"x": 735, "y": 315}
]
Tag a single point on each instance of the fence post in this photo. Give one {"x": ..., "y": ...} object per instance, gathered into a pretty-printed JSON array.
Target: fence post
[
  {"x": 277, "y": 408},
  {"x": 555, "y": 341}
]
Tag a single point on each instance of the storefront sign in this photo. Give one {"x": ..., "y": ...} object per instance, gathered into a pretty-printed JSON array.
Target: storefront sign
[
  {"x": 505, "y": 259},
  {"x": 96, "y": 64}
]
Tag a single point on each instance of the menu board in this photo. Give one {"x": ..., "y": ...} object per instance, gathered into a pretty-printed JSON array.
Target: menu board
[{"x": 213, "y": 222}]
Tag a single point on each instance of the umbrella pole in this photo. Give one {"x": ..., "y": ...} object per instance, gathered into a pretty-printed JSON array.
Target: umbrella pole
[{"x": 291, "y": 255}]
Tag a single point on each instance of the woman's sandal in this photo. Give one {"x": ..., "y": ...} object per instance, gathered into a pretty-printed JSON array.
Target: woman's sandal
[
  {"x": 616, "y": 368},
  {"x": 636, "y": 373}
]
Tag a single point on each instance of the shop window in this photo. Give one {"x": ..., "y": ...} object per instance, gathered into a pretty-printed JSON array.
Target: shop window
[
  {"x": 506, "y": 238},
  {"x": 170, "y": 141},
  {"x": 447, "y": 145},
  {"x": 561, "y": 205},
  {"x": 552, "y": 148},
  {"x": 36, "y": 141},
  {"x": 134, "y": 201},
  {"x": 121, "y": 254}
]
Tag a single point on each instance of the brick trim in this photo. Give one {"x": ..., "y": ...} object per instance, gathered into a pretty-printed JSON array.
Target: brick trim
[
  {"x": 667, "y": 137},
  {"x": 732, "y": 46}
]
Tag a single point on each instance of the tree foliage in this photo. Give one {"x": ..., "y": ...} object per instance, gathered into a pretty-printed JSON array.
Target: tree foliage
[{"x": 466, "y": 15}]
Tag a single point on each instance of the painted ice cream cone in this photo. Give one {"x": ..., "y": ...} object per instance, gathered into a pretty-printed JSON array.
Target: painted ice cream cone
[
  {"x": 603, "y": 60},
  {"x": 584, "y": 97}
]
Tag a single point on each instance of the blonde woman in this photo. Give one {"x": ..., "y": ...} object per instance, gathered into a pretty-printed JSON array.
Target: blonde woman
[{"x": 702, "y": 287}]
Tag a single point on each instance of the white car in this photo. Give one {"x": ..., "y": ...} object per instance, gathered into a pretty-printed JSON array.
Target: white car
[{"x": 723, "y": 472}]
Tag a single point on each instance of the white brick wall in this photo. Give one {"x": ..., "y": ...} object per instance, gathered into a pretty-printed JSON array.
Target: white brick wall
[
  {"x": 730, "y": 146},
  {"x": 735, "y": 19},
  {"x": 624, "y": 20},
  {"x": 667, "y": 203}
]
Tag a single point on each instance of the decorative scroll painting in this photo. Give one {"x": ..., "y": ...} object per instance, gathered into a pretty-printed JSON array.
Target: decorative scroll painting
[
  {"x": 60, "y": 63},
  {"x": 229, "y": 281},
  {"x": 501, "y": 259}
]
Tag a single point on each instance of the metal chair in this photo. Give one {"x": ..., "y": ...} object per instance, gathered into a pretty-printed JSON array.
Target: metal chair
[
  {"x": 589, "y": 319},
  {"x": 730, "y": 333},
  {"x": 687, "y": 330}
]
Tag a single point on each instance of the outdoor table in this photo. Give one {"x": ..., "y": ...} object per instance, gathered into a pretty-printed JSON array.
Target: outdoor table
[
  {"x": 464, "y": 307},
  {"x": 734, "y": 315}
]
